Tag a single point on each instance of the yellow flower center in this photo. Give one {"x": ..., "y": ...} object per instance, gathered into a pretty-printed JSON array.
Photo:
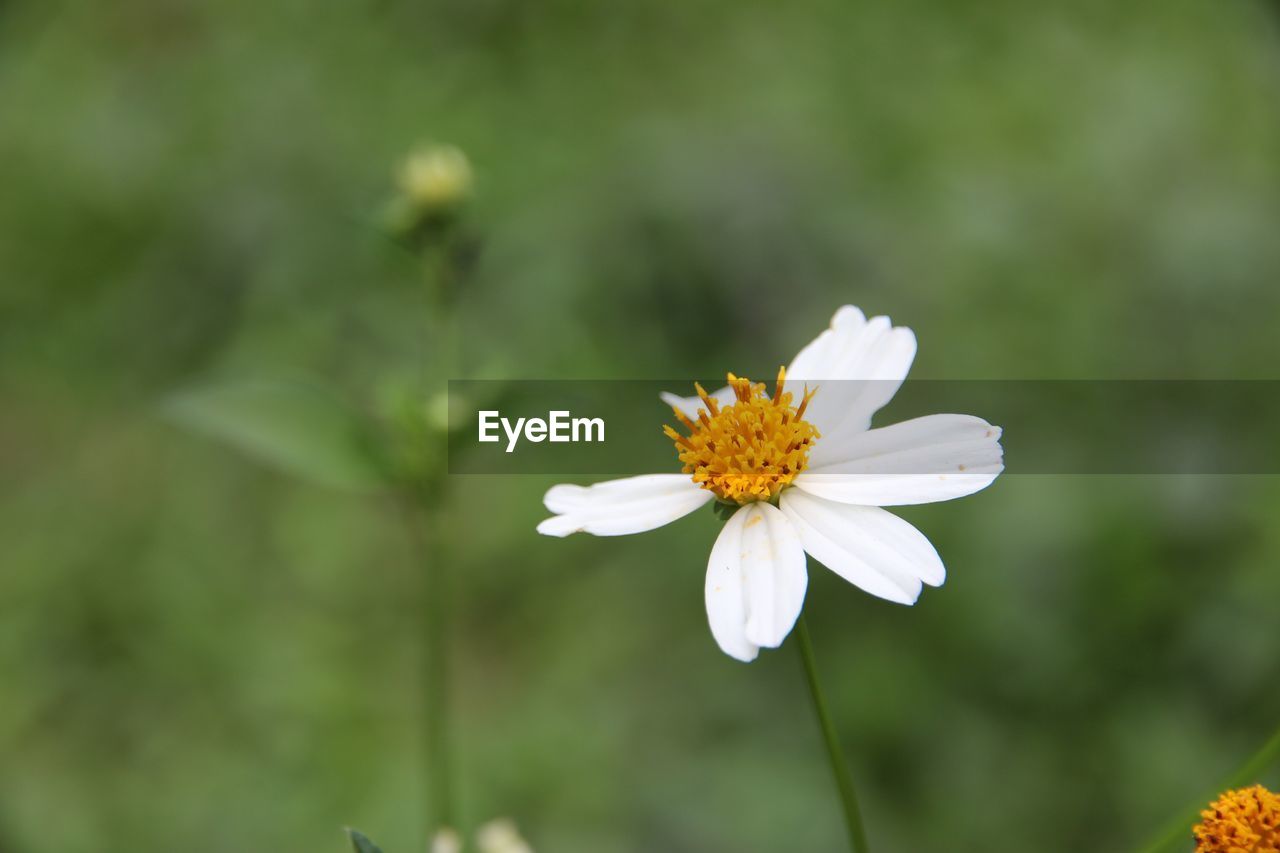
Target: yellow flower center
[
  {"x": 1243, "y": 821},
  {"x": 750, "y": 450}
]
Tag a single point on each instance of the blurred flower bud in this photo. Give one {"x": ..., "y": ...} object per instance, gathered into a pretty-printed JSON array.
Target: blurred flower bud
[
  {"x": 436, "y": 412},
  {"x": 446, "y": 841},
  {"x": 501, "y": 836},
  {"x": 435, "y": 180}
]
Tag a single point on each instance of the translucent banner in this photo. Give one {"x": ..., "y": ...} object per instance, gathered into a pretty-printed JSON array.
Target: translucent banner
[{"x": 615, "y": 427}]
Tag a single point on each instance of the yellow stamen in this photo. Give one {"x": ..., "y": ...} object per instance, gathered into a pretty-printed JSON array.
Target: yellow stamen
[
  {"x": 707, "y": 400},
  {"x": 1243, "y": 821},
  {"x": 750, "y": 450},
  {"x": 804, "y": 404},
  {"x": 684, "y": 420}
]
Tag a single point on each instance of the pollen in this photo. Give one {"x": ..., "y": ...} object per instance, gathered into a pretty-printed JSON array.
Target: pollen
[
  {"x": 1243, "y": 821},
  {"x": 749, "y": 450}
]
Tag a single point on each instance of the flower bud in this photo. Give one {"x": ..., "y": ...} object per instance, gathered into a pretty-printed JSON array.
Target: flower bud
[
  {"x": 446, "y": 841},
  {"x": 435, "y": 180},
  {"x": 501, "y": 836},
  {"x": 436, "y": 413}
]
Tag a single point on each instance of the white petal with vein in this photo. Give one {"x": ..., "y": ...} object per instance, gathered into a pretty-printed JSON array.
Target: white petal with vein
[
  {"x": 726, "y": 593},
  {"x": 924, "y": 460},
  {"x": 774, "y": 571},
  {"x": 867, "y": 546},
  {"x": 857, "y": 366},
  {"x": 619, "y": 507}
]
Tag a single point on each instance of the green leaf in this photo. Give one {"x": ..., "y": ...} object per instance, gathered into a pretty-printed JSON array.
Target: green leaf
[
  {"x": 724, "y": 511},
  {"x": 360, "y": 843},
  {"x": 297, "y": 427}
]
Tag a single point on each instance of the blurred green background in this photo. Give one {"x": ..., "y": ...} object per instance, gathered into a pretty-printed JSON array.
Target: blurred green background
[{"x": 202, "y": 653}]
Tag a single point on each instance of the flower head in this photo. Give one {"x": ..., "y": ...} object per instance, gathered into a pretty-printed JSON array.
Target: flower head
[
  {"x": 435, "y": 178},
  {"x": 800, "y": 476},
  {"x": 749, "y": 450},
  {"x": 1242, "y": 821}
]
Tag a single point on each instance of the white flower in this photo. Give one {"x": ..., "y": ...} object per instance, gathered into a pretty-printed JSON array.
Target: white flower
[{"x": 811, "y": 477}]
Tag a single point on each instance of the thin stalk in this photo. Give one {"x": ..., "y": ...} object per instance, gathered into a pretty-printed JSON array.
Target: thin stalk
[
  {"x": 432, "y": 539},
  {"x": 1179, "y": 832},
  {"x": 435, "y": 552},
  {"x": 422, "y": 516},
  {"x": 438, "y": 593},
  {"x": 839, "y": 767}
]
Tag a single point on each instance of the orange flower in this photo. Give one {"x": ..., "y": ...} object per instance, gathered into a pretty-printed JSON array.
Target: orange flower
[{"x": 1243, "y": 821}]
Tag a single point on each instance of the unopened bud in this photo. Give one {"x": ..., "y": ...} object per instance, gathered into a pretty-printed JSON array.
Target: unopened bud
[
  {"x": 435, "y": 180},
  {"x": 446, "y": 841},
  {"x": 436, "y": 411},
  {"x": 501, "y": 836}
]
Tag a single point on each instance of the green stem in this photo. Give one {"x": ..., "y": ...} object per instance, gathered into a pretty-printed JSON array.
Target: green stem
[
  {"x": 1179, "y": 832},
  {"x": 438, "y": 593},
  {"x": 839, "y": 767},
  {"x": 435, "y": 554},
  {"x": 422, "y": 515}
]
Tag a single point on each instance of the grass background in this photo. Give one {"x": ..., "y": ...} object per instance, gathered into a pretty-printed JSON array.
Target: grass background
[{"x": 199, "y": 653}]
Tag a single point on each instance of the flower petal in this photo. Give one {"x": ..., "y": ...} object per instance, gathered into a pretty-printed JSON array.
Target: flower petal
[
  {"x": 619, "y": 507},
  {"x": 773, "y": 565},
  {"x": 854, "y": 348},
  {"x": 867, "y": 546},
  {"x": 726, "y": 594},
  {"x": 924, "y": 460},
  {"x": 756, "y": 581},
  {"x": 689, "y": 406}
]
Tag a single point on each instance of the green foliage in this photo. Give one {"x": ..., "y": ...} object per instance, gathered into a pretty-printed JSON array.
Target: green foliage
[
  {"x": 723, "y": 511},
  {"x": 299, "y": 428},
  {"x": 196, "y": 658},
  {"x": 361, "y": 844}
]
